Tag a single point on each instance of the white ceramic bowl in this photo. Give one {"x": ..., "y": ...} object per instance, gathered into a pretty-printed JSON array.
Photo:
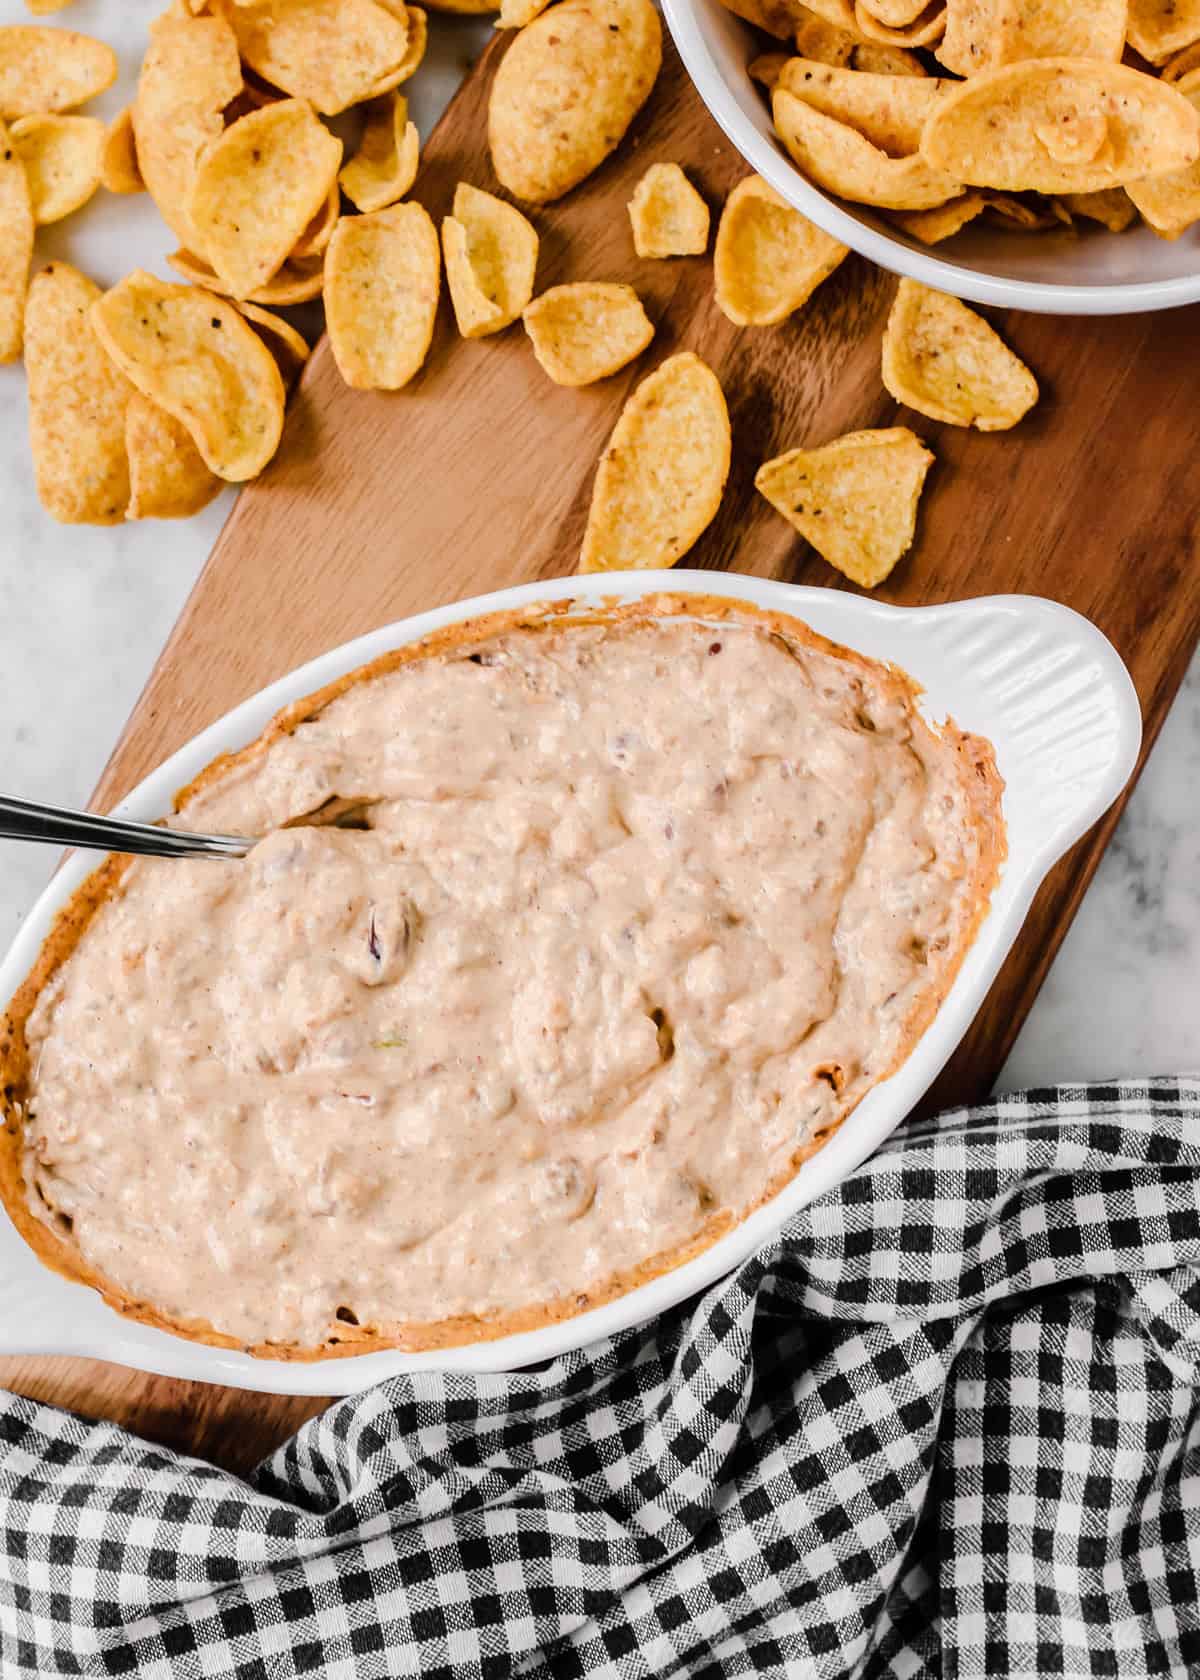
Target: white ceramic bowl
[
  {"x": 1038, "y": 680},
  {"x": 1090, "y": 273}
]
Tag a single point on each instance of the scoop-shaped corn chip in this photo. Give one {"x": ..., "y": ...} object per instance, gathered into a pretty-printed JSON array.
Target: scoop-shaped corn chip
[
  {"x": 189, "y": 75},
  {"x": 296, "y": 282},
  {"x": 319, "y": 231},
  {"x": 1177, "y": 67},
  {"x": 190, "y": 352},
  {"x": 167, "y": 475},
  {"x": 48, "y": 69},
  {"x": 823, "y": 42},
  {"x": 839, "y": 13},
  {"x": 333, "y": 53},
  {"x": 855, "y": 499},
  {"x": 668, "y": 216},
  {"x": 257, "y": 189},
  {"x": 883, "y": 60},
  {"x": 767, "y": 69},
  {"x": 418, "y": 41},
  {"x": 567, "y": 89},
  {"x": 839, "y": 159},
  {"x": 942, "y": 359},
  {"x": 1171, "y": 202},
  {"x": 289, "y": 347},
  {"x": 930, "y": 227},
  {"x": 587, "y": 330},
  {"x": 1034, "y": 126},
  {"x": 62, "y": 157},
  {"x": 889, "y": 111},
  {"x": 769, "y": 259},
  {"x": 515, "y": 14},
  {"x": 385, "y": 165},
  {"x": 1112, "y": 207},
  {"x": 774, "y": 17},
  {"x": 922, "y": 31},
  {"x": 896, "y": 14},
  {"x": 119, "y": 172},
  {"x": 382, "y": 279},
  {"x": 1159, "y": 28},
  {"x": 16, "y": 246},
  {"x": 662, "y": 474},
  {"x": 491, "y": 253},
  {"x": 981, "y": 34},
  {"x": 43, "y": 8},
  {"x": 77, "y": 403}
]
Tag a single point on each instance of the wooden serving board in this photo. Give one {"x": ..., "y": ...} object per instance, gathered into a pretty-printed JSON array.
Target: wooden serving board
[{"x": 479, "y": 475}]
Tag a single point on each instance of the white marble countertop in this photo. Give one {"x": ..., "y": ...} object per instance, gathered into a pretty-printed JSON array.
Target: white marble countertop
[{"x": 83, "y": 614}]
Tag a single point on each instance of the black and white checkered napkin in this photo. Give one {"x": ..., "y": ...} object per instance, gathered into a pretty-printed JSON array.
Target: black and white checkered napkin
[{"x": 947, "y": 1425}]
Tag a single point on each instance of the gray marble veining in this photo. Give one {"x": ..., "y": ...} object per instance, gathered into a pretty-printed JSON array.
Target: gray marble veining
[{"x": 83, "y": 614}]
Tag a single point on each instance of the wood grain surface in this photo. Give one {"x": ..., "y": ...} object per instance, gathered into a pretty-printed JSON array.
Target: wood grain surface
[{"x": 478, "y": 475}]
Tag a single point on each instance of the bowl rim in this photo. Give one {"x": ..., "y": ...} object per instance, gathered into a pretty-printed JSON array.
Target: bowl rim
[
  {"x": 1040, "y": 297},
  {"x": 42, "y": 1312}
]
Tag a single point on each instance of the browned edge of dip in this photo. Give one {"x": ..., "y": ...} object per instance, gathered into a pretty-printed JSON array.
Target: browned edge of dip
[{"x": 982, "y": 786}]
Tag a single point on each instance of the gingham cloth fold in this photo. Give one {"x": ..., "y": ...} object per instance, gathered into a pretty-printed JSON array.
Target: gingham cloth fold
[{"x": 947, "y": 1425}]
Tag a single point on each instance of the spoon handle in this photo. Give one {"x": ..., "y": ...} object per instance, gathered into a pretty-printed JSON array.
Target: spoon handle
[{"x": 20, "y": 820}]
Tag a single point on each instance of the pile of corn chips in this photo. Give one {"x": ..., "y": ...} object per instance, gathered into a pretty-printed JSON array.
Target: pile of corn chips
[
  {"x": 1034, "y": 114},
  {"x": 146, "y": 398}
]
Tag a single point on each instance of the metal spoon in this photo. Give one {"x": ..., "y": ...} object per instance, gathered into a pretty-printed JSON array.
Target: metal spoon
[{"x": 19, "y": 820}]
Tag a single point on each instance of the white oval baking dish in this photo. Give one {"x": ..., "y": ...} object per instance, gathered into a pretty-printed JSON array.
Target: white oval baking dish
[{"x": 1042, "y": 683}]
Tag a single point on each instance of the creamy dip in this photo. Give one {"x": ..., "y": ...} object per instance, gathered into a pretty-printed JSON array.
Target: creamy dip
[{"x": 641, "y": 908}]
